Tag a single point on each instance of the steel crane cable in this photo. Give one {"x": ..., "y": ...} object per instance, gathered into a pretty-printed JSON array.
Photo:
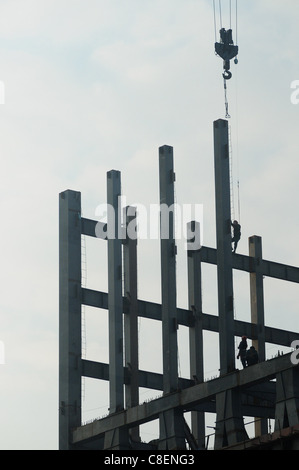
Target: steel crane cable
[
  {"x": 225, "y": 48},
  {"x": 221, "y": 16},
  {"x": 220, "y": 13},
  {"x": 224, "y": 10}
]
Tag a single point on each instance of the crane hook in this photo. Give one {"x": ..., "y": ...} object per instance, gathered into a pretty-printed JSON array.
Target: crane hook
[
  {"x": 226, "y": 50},
  {"x": 227, "y": 75}
]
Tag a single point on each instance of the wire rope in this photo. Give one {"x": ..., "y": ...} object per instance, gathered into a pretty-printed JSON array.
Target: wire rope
[
  {"x": 236, "y": 21},
  {"x": 220, "y": 13},
  {"x": 214, "y": 9}
]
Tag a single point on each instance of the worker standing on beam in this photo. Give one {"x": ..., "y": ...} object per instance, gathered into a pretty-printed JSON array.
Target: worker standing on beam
[
  {"x": 252, "y": 356},
  {"x": 242, "y": 351}
]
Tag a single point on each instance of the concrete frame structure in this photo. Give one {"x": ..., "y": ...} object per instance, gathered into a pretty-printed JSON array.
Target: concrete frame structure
[{"x": 233, "y": 395}]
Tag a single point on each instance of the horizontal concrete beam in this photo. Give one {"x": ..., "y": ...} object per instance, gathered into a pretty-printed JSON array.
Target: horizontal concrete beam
[
  {"x": 184, "y": 399},
  {"x": 153, "y": 311},
  {"x": 248, "y": 263},
  {"x": 273, "y": 441},
  {"x": 151, "y": 380},
  {"x": 257, "y": 401},
  {"x": 92, "y": 228},
  {"x": 281, "y": 271}
]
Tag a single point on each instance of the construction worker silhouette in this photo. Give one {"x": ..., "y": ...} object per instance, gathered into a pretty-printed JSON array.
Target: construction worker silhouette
[
  {"x": 236, "y": 234},
  {"x": 242, "y": 351},
  {"x": 252, "y": 356}
]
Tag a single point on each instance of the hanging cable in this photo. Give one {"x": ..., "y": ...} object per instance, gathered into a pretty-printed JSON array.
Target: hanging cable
[
  {"x": 214, "y": 8},
  {"x": 237, "y": 145},
  {"x": 220, "y": 13},
  {"x": 83, "y": 309},
  {"x": 227, "y": 116},
  {"x": 239, "y": 210},
  {"x": 236, "y": 21},
  {"x": 231, "y": 182}
]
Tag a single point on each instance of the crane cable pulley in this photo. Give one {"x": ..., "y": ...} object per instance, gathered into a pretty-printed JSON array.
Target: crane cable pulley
[{"x": 225, "y": 48}]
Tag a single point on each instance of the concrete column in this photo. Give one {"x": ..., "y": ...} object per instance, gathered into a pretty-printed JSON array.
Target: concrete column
[
  {"x": 69, "y": 315},
  {"x": 131, "y": 315},
  {"x": 257, "y": 295},
  {"x": 115, "y": 303},
  {"x": 196, "y": 332},
  {"x": 118, "y": 439},
  {"x": 229, "y": 426},
  {"x": 168, "y": 270},
  {"x": 171, "y": 422},
  {"x": 287, "y": 399},
  {"x": 224, "y": 247},
  {"x": 257, "y": 312}
]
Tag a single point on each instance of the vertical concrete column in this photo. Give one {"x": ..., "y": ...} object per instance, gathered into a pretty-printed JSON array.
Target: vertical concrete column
[
  {"x": 69, "y": 315},
  {"x": 117, "y": 439},
  {"x": 224, "y": 249},
  {"x": 131, "y": 312},
  {"x": 287, "y": 399},
  {"x": 257, "y": 295},
  {"x": 257, "y": 311},
  {"x": 230, "y": 425},
  {"x": 196, "y": 331},
  {"x": 168, "y": 270},
  {"x": 172, "y": 421},
  {"x": 115, "y": 303}
]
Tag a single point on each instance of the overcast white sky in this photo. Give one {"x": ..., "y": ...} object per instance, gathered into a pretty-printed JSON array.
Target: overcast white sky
[{"x": 96, "y": 85}]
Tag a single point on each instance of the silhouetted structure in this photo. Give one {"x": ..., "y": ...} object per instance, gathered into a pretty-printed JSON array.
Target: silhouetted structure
[{"x": 233, "y": 395}]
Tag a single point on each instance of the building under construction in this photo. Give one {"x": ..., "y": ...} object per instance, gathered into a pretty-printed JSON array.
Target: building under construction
[{"x": 268, "y": 390}]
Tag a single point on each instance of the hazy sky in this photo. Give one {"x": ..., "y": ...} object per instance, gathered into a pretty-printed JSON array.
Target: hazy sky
[{"x": 96, "y": 85}]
